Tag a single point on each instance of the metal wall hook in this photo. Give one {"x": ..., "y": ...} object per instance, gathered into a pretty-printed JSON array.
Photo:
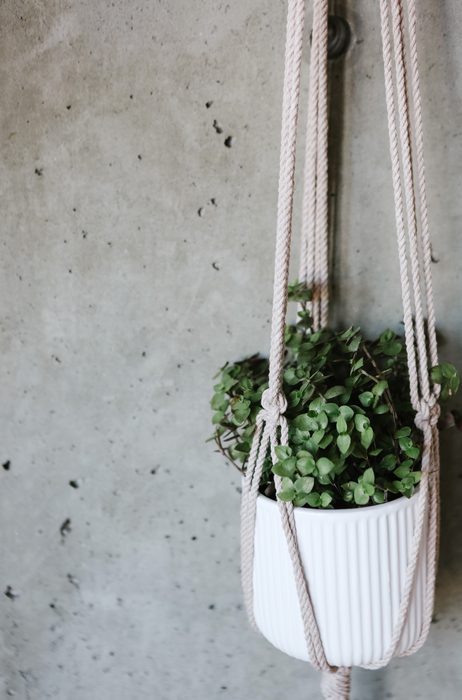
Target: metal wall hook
[{"x": 338, "y": 37}]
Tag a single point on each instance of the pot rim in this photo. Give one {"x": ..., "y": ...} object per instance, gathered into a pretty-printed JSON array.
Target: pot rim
[{"x": 379, "y": 508}]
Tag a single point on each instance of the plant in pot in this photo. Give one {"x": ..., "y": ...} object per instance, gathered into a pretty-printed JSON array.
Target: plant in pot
[
  {"x": 352, "y": 446},
  {"x": 352, "y": 437},
  {"x": 337, "y": 435}
]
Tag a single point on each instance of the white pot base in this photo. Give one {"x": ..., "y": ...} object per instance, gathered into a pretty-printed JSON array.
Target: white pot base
[{"x": 355, "y": 563}]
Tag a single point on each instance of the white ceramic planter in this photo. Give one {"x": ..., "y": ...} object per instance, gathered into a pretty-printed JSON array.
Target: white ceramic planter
[{"x": 355, "y": 563}]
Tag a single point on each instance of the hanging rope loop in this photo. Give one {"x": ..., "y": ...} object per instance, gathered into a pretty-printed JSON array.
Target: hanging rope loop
[{"x": 404, "y": 124}]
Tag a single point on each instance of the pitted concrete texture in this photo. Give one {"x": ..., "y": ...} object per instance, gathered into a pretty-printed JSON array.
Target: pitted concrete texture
[{"x": 140, "y": 146}]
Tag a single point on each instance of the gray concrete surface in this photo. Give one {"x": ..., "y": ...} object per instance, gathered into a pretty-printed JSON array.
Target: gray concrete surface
[{"x": 118, "y": 301}]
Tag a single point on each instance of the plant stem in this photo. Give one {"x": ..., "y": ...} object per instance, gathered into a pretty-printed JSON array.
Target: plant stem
[
  {"x": 225, "y": 454},
  {"x": 388, "y": 397}
]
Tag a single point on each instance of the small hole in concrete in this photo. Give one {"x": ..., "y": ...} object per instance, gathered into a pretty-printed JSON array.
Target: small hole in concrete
[
  {"x": 74, "y": 484},
  {"x": 229, "y": 141},
  {"x": 11, "y": 593},
  {"x": 65, "y": 528},
  {"x": 209, "y": 104},
  {"x": 6, "y": 465},
  {"x": 218, "y": 128}
]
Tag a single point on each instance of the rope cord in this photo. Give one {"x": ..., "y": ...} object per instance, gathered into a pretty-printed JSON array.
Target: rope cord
[{"x": 411, "y": 227}]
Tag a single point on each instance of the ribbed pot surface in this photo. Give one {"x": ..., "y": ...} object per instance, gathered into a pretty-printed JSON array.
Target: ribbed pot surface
[{"x": 355, "y": 563}]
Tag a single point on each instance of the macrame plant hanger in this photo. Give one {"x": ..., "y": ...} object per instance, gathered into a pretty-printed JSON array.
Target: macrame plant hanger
[{"x": 414, "y": 256}]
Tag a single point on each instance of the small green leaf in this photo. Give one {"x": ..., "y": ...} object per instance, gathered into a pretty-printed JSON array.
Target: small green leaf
[
  {"x": 361, "y": 422},
  {"x": 218, "y": 417},
  {"x": 401, "y": 471},
  {"x": 323, "y": 420},
  {"x": 403, "y": 432},
  {"x": 357, "y": 365},
  {"x": 306, "y": 465},
  {"x": 243, "y": 447},
  {"x": 331, "y": 409},
  {"x": 317, "y": 405},
  {"x": 361, "y": 497},
  {"x": 314, "y": 500},
  {"x": 317, "y": 436},
  {"x": 378, "y": 497},
  {"x": 304, "y": 422},
  {"x": 413, "y": 452},
  {"x": 290, "y": 378},
  {"x": 283, "y": 452},
  {"x": 448, "y": 371},
  {"x": 324, "y": 465},
  {"x": 240, "y": 416},
  {"x": 290, "y": 464},
  {"x": 287, "y": 483},
  {"x": 280, "y": 470},
  {"x": 334, "y": 391},
  {"x": 454, "y": 384},
  {"x": 388, "y": 462},
  {"x": 299, "y": 500},
  {"x": 286, "y": 495},
  {"x": 387, "y": 336},
  {"x": 354, "y": 344},
  {"x": 366, "y": 437},
  {"x": 347, "y": 412},
  {"x": 437, "y": 374},
  {"x": 379, "y": 388},
  {"x": 350, "y": 486},
  {"x": 343, "y": 442},
  {"x": 369, "y": 476},
  {"x": 341, "y": 424},
  {"x": 392, "y": 349},
  {"x": 311, "y": 447},
  {"x": 381, "y": 409},
  {"x": 417, "y": 476},
  {"x": 326, "y": 498},
  {"x": 304, "y": 485},
  {"x": 218, "y": 400},
  {"x": 366, "y": 398},
  {"x": 325, "y": 442},
  {"x": 405, "y": 443},
  {"x": 369, "y": 489}
]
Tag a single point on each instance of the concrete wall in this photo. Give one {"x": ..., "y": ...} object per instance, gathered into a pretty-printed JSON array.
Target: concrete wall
[{"x": 118, "y": 301}]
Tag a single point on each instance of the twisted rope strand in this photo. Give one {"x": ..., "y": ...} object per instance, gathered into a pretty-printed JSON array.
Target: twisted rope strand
[
  {"x": 425, "y": 234},
  {"x": 397, "y": 190},
  {"x": 408, "y": 176},
  {"x": 307, "y": 252},
  {"x": 321, "y": 254},
  {"x": 294, "y": 45}
]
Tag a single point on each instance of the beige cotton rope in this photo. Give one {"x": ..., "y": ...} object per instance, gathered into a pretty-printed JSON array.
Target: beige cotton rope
[
  {"x": 314, "y": 244},
  {"x": 412, "y": 228}
]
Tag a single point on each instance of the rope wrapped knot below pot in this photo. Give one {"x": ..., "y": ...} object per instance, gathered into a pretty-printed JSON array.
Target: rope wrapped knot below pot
[{"x": 271, "y": 426}]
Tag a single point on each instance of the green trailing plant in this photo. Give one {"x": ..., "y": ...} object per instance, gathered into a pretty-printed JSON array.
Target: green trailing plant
[{"x": 352, "y": 437}]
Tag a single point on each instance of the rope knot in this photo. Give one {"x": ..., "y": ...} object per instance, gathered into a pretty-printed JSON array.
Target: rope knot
[
  {"x": 274, "y": 406},
  {"x": 428, "y": 413}
]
